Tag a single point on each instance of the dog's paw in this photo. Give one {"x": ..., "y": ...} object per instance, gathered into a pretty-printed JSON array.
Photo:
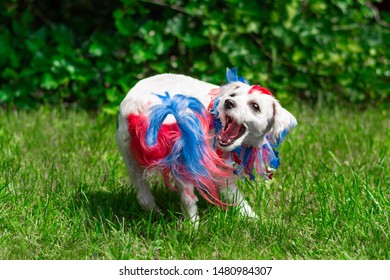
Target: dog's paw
[
  {"x": 157, "y": 210},
  {"x": 149, "y": 206},
  {"x": 195, "y": 221},
  {"x": 246, "y": 211},
  {"x": 146, "y": 201}
]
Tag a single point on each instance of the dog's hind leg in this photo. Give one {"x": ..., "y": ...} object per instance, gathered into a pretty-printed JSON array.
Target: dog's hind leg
[
  {"x": 188, "y": 201},
  {"x": 136, "y": 174},
  {"x": 234, "y": 196},
  {"x": 144, "y": 194}
]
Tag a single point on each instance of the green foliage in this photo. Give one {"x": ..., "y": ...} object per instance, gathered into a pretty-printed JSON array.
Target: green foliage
[{"x": 328, "y": 51}]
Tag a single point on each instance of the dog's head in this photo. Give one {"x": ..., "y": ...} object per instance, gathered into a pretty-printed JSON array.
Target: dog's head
[{"x": 248, "y": 114}]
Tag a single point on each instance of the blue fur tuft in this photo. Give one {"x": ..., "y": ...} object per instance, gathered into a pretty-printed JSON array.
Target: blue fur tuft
[
  {"x": 176, "y": 106},
  {"x": 232, "y": 76},
  {"x": 188, "y": 151},
  {"x": 271, "y": 153},
  {"x": 280, "y": 138}
]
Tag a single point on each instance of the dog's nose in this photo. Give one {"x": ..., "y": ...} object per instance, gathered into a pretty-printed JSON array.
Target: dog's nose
[{"x": 229, "y": 104}]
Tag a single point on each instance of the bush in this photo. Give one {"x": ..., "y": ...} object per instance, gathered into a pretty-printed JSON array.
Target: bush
[{"x": 91, "y": 52}]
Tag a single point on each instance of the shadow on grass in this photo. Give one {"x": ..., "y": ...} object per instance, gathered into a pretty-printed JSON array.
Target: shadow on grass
[
  {"x": 113, "y": 206},
  {"x": 119, "y": 207}
]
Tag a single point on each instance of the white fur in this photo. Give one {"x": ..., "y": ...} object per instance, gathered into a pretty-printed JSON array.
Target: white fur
[{"x": 271, "y": 118}]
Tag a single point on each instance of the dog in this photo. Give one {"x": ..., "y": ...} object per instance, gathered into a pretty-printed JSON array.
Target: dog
[{"x": 200, "y": 136}]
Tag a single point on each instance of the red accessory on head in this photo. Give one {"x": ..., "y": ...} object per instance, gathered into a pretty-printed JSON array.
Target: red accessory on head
[{"x": 261, "y": 89}]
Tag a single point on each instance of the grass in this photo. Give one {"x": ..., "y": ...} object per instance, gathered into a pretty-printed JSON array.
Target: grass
[{"x": 64, "y": 194}]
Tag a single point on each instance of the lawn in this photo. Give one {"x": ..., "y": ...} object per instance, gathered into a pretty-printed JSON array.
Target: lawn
[{"x": 64, "y": 194}]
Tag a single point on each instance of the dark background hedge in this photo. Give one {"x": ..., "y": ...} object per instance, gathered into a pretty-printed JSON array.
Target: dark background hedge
[{"x": 90, "y": 53}]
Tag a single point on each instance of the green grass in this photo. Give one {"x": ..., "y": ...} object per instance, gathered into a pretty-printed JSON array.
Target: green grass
[{"x": 64, "y": 194}]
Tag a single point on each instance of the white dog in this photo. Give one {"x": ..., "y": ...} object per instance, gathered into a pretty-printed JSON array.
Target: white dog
[{"x": 199, "y": 135}]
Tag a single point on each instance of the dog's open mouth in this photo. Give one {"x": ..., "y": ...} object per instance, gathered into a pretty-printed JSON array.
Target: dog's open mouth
[{"x": 230, "y": 132}]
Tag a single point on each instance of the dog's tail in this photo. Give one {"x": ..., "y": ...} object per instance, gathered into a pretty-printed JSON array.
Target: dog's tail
[{"x": 191, "y": 159}]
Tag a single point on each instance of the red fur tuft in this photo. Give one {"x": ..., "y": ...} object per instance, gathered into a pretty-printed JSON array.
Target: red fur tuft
[
  {"x": 261, "y": 89},
  {"x": 150, "y": 156}
]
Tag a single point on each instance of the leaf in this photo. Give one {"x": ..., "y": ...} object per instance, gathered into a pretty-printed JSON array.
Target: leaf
[
  {"x": 48, "y": 82},
  {"x": 96, "y": 49},
  {"x": 112, "y": 95},
  {"x": 278, "y": 31},
  {"x": 298, "y": 55},
  {"x": 110, "y": 109}
]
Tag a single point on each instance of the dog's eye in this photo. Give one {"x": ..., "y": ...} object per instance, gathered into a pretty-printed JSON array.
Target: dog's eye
[
  {"x": 232, "y": 95},
  {"x": 255, "y": 107}
]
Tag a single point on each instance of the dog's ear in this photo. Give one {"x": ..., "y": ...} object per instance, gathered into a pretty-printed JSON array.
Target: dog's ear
[{"x": 284, "y": 121}]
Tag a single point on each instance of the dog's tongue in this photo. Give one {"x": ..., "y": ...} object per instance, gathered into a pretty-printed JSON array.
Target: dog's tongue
[{"x": 231, "y": 133}]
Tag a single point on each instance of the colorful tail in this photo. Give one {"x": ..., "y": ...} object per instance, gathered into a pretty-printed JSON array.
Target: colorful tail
[{"x": 191, "y": 159}]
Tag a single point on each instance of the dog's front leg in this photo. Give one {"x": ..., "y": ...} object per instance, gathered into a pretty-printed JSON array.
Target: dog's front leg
[{"x": 234, "y": 196}]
